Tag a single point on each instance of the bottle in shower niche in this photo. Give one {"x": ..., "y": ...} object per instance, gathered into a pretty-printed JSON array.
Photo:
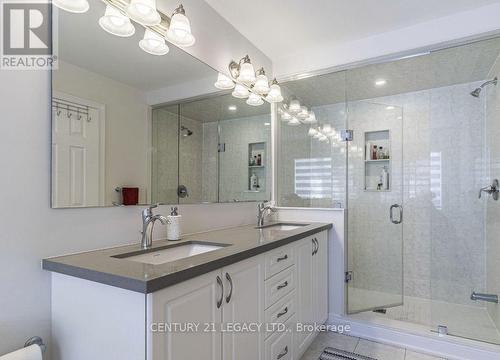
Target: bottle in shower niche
[
  {"x": 380, "y": 153},
  {"x": 384, "y": 178},
  {"x": 374, "y": 152},
  {"x": 254, "y": 182}
]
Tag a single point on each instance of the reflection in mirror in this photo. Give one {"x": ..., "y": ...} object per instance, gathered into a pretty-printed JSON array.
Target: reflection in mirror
[
  {"x": 221, "y": 147},
  {"x": 101, "y": 117}
]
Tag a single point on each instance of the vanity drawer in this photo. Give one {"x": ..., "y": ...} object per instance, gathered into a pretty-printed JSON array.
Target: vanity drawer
[
  {"x": 280, "y": 345},
  {"x": 279, "y": 285},
  {"x": 278, "y": 260},
  {"x": 282, "y": 310}
]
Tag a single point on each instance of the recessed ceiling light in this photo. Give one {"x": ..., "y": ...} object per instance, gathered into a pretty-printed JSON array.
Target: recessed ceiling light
[
  {"x": 267, "y": 124},
  {"x": 390, "y": 108},
  {"x": 380, "y": 82},
  {"x": 232, "y": 108}
]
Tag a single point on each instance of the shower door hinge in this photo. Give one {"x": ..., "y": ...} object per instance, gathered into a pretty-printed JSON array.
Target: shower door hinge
[
  {"x": 347, "y": 135},
  {"x": 348, "y": 276},
  {"x": 221, "y": 147}
]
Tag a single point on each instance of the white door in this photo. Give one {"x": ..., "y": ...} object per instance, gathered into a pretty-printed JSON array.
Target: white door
[
  {"x": 76, "y": 155},
  {"x": 320, "y": 279},
  {"x": 244, "y": 304},
  {"x": 305, "y": 291},
  {"x": 196, "y": 301}
]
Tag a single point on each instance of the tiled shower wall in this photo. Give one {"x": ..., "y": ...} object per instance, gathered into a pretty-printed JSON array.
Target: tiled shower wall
[
  {"x": 444, "y": 165},
  {"x": 493, "y": 207}
]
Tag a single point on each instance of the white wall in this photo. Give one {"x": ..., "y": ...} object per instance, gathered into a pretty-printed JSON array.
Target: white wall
[{"x": 30, "y": 230}]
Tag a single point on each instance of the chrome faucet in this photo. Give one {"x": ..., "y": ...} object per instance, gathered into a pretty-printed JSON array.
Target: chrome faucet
[
  {"x": 148, "y": 222},
  {"x": 262, "y": 209}
]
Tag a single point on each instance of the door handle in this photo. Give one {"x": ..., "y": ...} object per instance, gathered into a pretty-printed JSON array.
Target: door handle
[
  {"x": 317, "y": 245},
  {"x": 283, "y": 353},
  {"x": 284, "y": 285},
  {"x": 228, "y": 297},
  {"x": 282, "y": 258},
  {"x": 221, "y": 286},
  {"x": 280, "y": 314},
  {"x": 314, "y": 247},
  {"x": 391, "y": 214}
]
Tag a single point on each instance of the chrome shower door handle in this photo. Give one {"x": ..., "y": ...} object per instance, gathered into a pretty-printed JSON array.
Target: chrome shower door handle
[{"x": 391, "y": 214}]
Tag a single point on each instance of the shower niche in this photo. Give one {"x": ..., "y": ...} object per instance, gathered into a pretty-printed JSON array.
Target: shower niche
[
  {"x": 377, "y": 160},
  {"x": 256, "y": 167}
]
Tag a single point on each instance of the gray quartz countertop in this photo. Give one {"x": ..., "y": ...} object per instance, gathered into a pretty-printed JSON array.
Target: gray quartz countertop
[{"x": 240, "y": 243}]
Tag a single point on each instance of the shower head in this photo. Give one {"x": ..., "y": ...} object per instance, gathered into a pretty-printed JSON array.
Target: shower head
[
  {"x": 477, "y": 92},
  {"x": 185, "y": 131}
]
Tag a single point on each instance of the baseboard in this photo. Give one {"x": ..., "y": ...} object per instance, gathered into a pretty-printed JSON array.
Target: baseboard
[{"x": 447, "y": 347}]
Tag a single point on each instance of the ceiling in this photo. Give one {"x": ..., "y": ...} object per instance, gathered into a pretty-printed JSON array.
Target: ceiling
[
  {"x": 83, "y": 43},
  {"x": 216, "y": 108},
  {"x": 281, "y": 27},
  {"x": 458, "y": 65}
]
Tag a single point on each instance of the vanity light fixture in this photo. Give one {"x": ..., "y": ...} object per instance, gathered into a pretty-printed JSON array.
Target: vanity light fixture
[
  {"x": 240, "y": 92},
  {"x": 114, "y": 22},
  {"x": 303, "y": 113},
  {"x": 153, "y": 43},
  {"x": 74, "y": 6},
  {"x": 312, "y": 132},
  {"x": 261, "y": 86},
  {"x": 311, "y": 119},
  {"x": 294, "y": 122},
  {"x": 179, "y": 31},
  {"x": 144, "y": 12},
  {"x": 157, "y": 25},
  {"x": 380, "y": 82},
  {"x": 274, "y": 95},
  {"x": 224, "y": 82},
  {"x": 254, "y": 100},
  {"x": 285, "y": 116},
  {"x": 246, "y": 72},
  {"x": 294, "y": 106}
]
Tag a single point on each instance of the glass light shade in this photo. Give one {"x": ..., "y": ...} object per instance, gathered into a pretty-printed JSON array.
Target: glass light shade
[
  {"x": 247, "y": 73},
  {"x": 240, "y": 92},
  {"x": 311, "y": 119},
  {"x": 144, "y": 12},
  {"x": 153, "y": 43},
  {"x": 261, "y": 86},
  {"x": 114, "y": 22},
  {"x": 303, "y": 113},
  {"x": 74, "y": 6},
  {"x": 224, "y": 82},
  {"x": 312, "y": 132},
  {"x": 294, "y": 122},
  {"x": 323, "y": 138},
  {"x": 274, "y": 94},
  {"x": 286, "y": 116},
  {"x": 179, "y": 31},
  {"x": 318, "y": 135},
  {"x": 327, "y": 129},
  {"x": 294, "y": 106},
  {"x": 254, "y": 100}
]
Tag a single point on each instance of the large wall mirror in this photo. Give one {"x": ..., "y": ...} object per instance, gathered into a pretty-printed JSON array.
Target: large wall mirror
[{"x": 112, "y": 145}]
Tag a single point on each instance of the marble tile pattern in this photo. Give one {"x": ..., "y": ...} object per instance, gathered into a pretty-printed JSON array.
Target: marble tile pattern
[{"x": 361, "y": 347}]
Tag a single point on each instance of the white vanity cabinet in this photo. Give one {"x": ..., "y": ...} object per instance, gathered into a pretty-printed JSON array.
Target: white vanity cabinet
[{"x": 211, "y": 303}]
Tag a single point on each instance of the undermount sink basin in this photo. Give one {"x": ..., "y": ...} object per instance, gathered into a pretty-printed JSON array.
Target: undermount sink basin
[
  {"x": 283, "y": 226},
  {"x": 171, "y": 253}
]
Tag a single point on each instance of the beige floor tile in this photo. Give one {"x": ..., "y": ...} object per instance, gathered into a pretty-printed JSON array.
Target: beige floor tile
[{"x": 379, "y": 351}]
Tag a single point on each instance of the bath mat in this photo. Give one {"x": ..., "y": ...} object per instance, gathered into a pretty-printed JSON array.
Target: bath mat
[{"x": 336, "y": 354}]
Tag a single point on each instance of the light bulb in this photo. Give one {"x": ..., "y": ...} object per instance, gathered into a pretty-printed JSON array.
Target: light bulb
[
  {"x": 224, "y": 82},
  {"x": 74, "y": 6},
  {"x": 254, "y": 100},
  {"x": 144, "y": 12},
  {"x": 303, "y": 113},
  {"x": 286, "y": 116},
  {"x": 114, "y": 22},
  {"x": 240, "y": 92},
  {"x": 274, "y": 95},
  {"x": 261, "y": 86},
  {"x": 311, "y": 119},
  {"x": 179, "y": 31},
  {"x": 153, "y": 43},
  {"x": 294, "y": 122},
  {"x": 247, "y": 72},
  {"x": 294, "y": 106}
]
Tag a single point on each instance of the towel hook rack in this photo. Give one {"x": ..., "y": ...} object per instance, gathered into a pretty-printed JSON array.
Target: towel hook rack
[{"x": 36, "y": 340}]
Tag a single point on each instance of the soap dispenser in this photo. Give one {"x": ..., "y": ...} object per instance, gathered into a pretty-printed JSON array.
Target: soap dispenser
[{"x": 174, "y": 225}]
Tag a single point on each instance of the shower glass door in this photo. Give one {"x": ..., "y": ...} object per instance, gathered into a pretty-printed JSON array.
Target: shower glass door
[{"x": 374, "y": 274}]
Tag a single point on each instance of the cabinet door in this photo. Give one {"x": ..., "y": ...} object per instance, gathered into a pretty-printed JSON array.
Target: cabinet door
[
  {"x": 320, "y": 279},
  {"x": 305, "y": 291},
  {"x": 191, "y": 302},
  {"x": 244, "y": 304}
]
